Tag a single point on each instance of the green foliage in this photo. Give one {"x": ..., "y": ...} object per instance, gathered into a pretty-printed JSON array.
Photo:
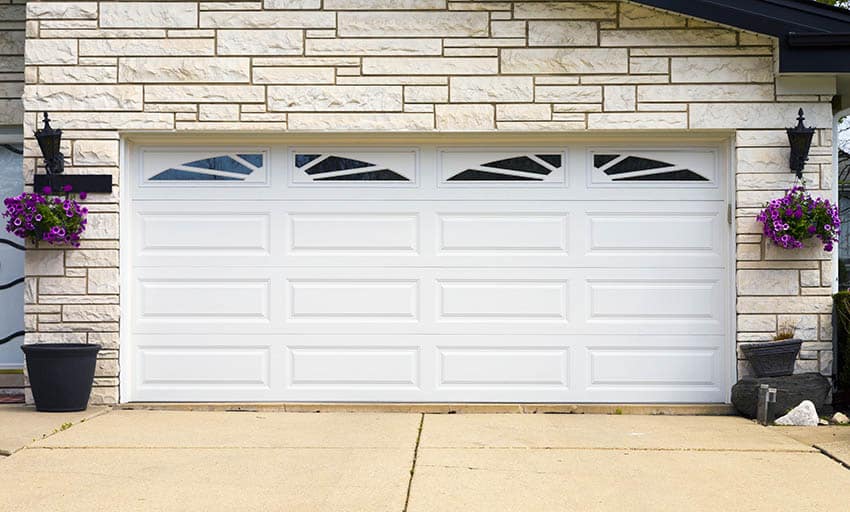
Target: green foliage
[{"x": 842, "y": 311}]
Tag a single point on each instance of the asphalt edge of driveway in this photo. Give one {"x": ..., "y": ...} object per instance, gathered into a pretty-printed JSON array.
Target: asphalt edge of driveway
[{"x": 95, "y": 412}]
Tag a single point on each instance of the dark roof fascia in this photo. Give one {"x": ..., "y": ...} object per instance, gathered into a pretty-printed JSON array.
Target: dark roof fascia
[{"x": 813, "y": 37}]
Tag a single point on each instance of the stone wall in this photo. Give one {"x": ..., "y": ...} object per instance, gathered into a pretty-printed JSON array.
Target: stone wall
[{"x": 413, "y": 65}]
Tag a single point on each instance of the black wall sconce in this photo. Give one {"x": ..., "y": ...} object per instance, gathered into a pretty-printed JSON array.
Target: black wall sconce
[
  {"x": 800, "y": 138},
  {"x": 50, "y": 141}
]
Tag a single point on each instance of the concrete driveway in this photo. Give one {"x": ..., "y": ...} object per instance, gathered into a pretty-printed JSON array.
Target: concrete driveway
[{"x": 211, "y": 461}]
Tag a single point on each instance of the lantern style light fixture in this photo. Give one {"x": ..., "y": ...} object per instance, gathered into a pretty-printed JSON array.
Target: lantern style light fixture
[
  {"x": 49, "y": 140},
  {"x": 800, "y": 138}
]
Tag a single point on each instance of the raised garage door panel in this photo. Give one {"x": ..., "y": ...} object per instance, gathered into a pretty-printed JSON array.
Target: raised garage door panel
[{"x": 424, "y": 273}]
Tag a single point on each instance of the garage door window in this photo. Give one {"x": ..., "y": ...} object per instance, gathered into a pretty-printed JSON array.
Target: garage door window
[
  {"x": 342, "y": 165},
  {"x": 492, "y": 165},
  {"x": 194, "y": 167},
  {"x": 628, "y": 166}
]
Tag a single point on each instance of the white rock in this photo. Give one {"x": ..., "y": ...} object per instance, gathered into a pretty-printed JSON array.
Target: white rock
[
  {"x": 840, "y": 418},
  {"x": 334, "y": 98},
  {"x": 804, "y": 415},
  {"x": 149, "y": 14},
  {"x": 185, "y": 69},
  {"x": 411, "y": 24}
]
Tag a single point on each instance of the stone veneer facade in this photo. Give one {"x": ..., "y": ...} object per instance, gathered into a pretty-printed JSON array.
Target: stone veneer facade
[{"x": 412, "y": 65}]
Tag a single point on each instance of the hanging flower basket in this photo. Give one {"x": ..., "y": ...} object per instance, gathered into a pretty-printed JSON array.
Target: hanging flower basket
[
  {"x": 796, "y": 217},
  {"x": 57, "y": 220}
]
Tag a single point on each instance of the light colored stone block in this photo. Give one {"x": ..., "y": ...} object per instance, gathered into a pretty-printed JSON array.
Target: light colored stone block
[
  {"x": 564, "y": 60},
  {"x": 204, "y": 93},
  {"x": 619, "y": 98},
  {"x": 294, "y": 75},
  {"x": 430, "y": 66},
  {"x": 414, "y": 24},
  {"x": 714, "y": 92},
  {"x": 491, "y": 89},
  {"x": 95, "y": 152},
  {"x": 101, "y": 226},
  {"x": 260, "y": 42},
  {"x": 562, "y": 33},
  {"x": 764, "y": 160},
  {"x": 268, "y": 19},
  {"x": 148, "y": 14},
  {"x": 507, "y": 28},
  {"x": 44, "y": 263},
  {"x": 464, "y": 117},
  {"x": 568, "y": 93},
  {"x": 648, "y": 65},
  {"x": 51, "y": 51},
  {"x": 103, "y": 281},
  {"x": 565, "y": 10},
  {"x": 521, "y": 112},
  {"x": 756, "y": 115},
  {"x": 636, "y": 16},
  {"x": 90, "y": 313},
  {"x": 810, "y": 278},
  {"x": 426, "y": 94},
  {"x": 782, "y": 305},
  {"x": 91, "y": 258},
  {"x": 62, "y": 285},
  {"x": 374, "y": 46},
  {"x": 361, "y": 121},
  {"x": 95, "y": 97},
  {"x": 721, "y": 69},
  {"x": 368, "y": 5},
  {"x": 802, "y": 85},
  {"x": 292, "y": 4},
  {"x": 61, "y": 10},
  {"x": 147, "y": 47},
  {"x": 667, "y": 37},
  {"x": 184, "y": 69},
  {"x": 768, "y": 282},
  {"x": 637, "y": 121},
  {"x": 118, "y": 121},
  {"x": 77, "y": 75},
  {"x": 756, "y": 323},
  {"x": 218, "y": 112},
  {"x": 334, "y": 98}
]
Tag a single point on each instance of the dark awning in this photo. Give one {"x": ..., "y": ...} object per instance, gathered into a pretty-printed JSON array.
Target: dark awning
[{"x": 813, "y": 37}]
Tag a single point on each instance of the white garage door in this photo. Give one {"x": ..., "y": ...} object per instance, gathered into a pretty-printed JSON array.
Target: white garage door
[{"x": 573, "y": 273}]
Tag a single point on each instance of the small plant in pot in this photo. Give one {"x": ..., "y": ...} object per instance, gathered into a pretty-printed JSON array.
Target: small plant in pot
[
  {"x": 60, "y": 374},
  {"x": 774, "y": 358}
]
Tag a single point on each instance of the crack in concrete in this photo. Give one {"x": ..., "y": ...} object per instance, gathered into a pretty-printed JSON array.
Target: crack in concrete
[
  {"x": 413, "y": 464},
  {"x": 825, "y": 452}
]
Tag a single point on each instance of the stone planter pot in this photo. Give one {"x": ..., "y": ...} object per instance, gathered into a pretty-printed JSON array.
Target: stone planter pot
[
  {"x": 772, "y": 358},
  {"x": 61, "y": 375}
]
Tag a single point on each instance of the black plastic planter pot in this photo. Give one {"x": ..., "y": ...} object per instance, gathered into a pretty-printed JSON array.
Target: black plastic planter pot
[
  {"x": 61, "y": 375},
  {"x": 772, "y": 358}
]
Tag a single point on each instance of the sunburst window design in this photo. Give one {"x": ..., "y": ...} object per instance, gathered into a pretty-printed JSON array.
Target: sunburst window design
[
  {"x": 625, "y": 167},
  {"x": 529, "y": 167},
  {"x": 232, "y": 167},
  {"x": 333, "y": 167}
]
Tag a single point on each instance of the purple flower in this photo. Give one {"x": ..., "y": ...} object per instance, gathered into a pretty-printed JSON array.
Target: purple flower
[
  {"x": 67, "y": 188},
  {"x": 47, "y": 190},
  {"x": 83, "y": 195},
  {"x": 796, "y": 217}
]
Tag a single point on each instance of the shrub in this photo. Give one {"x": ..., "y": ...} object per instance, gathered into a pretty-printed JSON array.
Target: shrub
[{"x": 842, "y": 312}]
